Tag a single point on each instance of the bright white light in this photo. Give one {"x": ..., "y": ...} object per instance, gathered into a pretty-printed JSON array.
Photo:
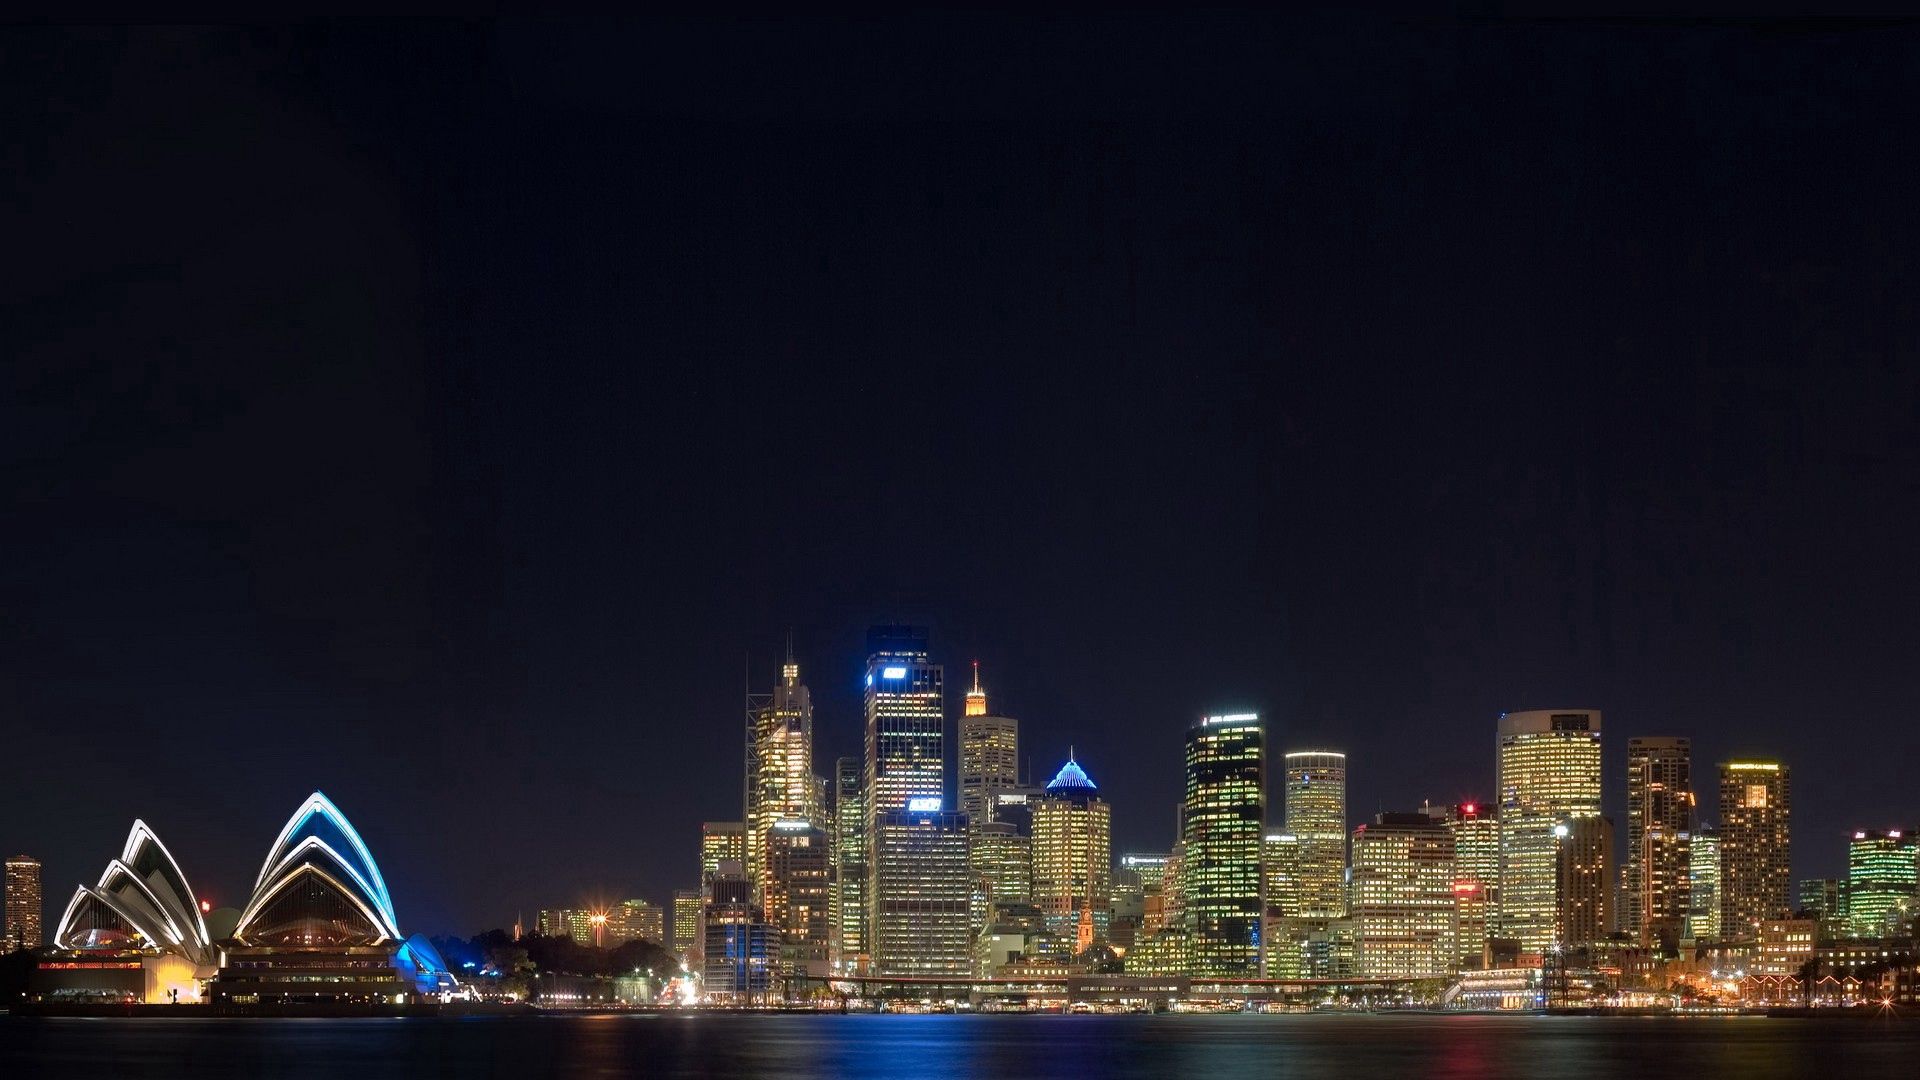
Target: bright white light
[
  {"x": 924, "y": 804},
  {"x": 1561, "y": 831},
  {"x": 895, "y": 672}
]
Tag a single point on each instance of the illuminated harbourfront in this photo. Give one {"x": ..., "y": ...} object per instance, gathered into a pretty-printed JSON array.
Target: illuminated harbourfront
[{"x": 868, "y": 885}]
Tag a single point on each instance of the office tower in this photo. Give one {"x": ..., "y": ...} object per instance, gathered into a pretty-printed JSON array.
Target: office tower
[
  {"x": 1756, "y": 808},
  {"x": 904, "y": 742},
  {"x": 783, "y": 787},
  {"x": 1476, "y": 878},
  {"x": 1826, "y": 900},
  {"x": 1403, "y": 899},
  {"x": 921, "y": 892},
  {"x": 1703, "y": 880},
  {"x": 1881, "y": 881},
  {"x": 586, "y": 927},
  {"x": 1280, "y": 859},
  {"x": 1316, "y": 815},
  {"x": 1659, "y": 832},
  {"x": 1001, "y": 862},
  {"x": 1224, "y": 810},
  {"x": 1583, "y": 865},
  {"x": 721, "y": 842},
  {"x": 740, "y": 951},
  {"x": 1072, "y": 852},
  {"x": 22, "y": 929},
  {"x": 797, "y": 897},
  {"x": 850, "y": 860},
  {"x": 1151, "y": 868},
  {"x": 633, "y": 920},
  {"x": 1548, "y": 765},
  {"x": 989, "y": 755},
  {"x": 686, "y": 923}
]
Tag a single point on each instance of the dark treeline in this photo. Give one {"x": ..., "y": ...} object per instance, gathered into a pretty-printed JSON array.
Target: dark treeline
[{"x": 496, "y": 950}]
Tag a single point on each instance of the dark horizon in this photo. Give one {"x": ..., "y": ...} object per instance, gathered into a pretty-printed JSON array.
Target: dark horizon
[{"x": 452, "y": 416}]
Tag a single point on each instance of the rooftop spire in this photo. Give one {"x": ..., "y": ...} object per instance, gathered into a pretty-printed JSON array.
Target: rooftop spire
[
  {"x": 790, "y": 671},
  {"x": 976, "y": 697}
]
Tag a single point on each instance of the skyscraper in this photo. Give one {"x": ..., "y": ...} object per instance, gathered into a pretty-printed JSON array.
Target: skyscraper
[
  {"x": 989, "y": 754},
  {"x": 783, "y": 759},
  {"x": 1476, "y": 877},
  {"x": 850, "y": 862},
  {"x": 22, "y": 929},
  {"x": 797, "y": 897},
  {"x": 1549, "y": 775},
  {"x": 1316, "y": 816},
  {"x": 1659, "y": 832},
  {"x": 1072, "y": 852},
  {"x": 740, "y": 953},
  {"x": 1826, "y": 900},
  {"x": 1223, "y": 815},
  {"x": 1756, "y": 857},
  {"x": 1703, "y": 881},
  {"x": 721, "y": 842},
  {"x": 921, "y": 892},
  {"x": 1583, "y": 866},
  {"x": 1403, "y": 900},
  {"x": 905, "y": 745},
  {"x": 1000, "y": 858},
  {"x": 1881, "y": 881},
  {"x": 685, "y": 932}
]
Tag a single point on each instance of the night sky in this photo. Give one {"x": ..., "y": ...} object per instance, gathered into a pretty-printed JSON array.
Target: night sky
[{"x": 449, "y": 416}]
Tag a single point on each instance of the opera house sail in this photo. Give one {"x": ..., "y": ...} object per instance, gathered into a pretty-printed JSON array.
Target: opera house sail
[
  {"x": 136, "y": 935},
  {"x": 317, "y": 928},
  {"x": 320, "y": 926}
]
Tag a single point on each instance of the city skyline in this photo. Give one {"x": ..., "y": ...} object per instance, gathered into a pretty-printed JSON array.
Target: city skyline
[
  {"x": 956, "y": 710},
  {"x": 470, "y": 395}
]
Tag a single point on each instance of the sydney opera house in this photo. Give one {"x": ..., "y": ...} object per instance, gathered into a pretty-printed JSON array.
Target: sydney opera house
[{"x": 317, "y": 928}]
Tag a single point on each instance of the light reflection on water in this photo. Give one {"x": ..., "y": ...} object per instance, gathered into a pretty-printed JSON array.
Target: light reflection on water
[{"x": 994, "y": 1047}]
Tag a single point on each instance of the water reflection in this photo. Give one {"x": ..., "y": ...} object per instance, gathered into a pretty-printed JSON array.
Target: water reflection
[{"x": 993, "y": 1047}]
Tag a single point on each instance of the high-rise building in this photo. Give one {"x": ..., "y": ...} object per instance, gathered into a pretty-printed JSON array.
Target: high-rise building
[
  {"x": 797, "y": 898},
  {"x": 783, "y": 787},
  {"x": 921, "y": 892},
  {"x": 721, "y": 842},
  {"x": 1222, "y": 819},
  {"x": 1756, "y": 857},
  {"x": 1403, "y": 899},
  {"x": 1151, "y": 868},
  {"x": 1280, "y": 870},
  {"x": 634, "y": 920},
  {"x": 1316, "y": 816},
  {"x": 1703, "y": 881},
  {"x": 1881, "y": 881},
  {"x": 1826, "y": 900},
  {"x": 1476, "y": 878},
  {"x": 740, "y": 953},
  {"x": 1001, "y": 860},
  {"x": 1549, "y": 775},
  {"x": 1660, "y": 806},
  {"x": 686, "y": 924},
  {"x": 989, "y": 755},
  {"x": 23, "y": 909},
  {"x": 1583, "y": 865},
  {"x": 904, "y": 742},
  {"x": 1073, "y": 853},
  {"x": 850, "y": 862}
]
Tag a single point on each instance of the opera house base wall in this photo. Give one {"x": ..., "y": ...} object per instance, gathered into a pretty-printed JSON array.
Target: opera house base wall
[
  {"x": 128, "y": 978},
  {"x": 353, "y": 975}
]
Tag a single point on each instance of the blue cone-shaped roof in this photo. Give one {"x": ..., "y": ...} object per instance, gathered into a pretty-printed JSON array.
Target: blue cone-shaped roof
[{"x": 1071, "y": 777}]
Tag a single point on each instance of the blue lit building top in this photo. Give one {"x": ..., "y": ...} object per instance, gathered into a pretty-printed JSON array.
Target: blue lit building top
[{"x": 1070, "y": 778}]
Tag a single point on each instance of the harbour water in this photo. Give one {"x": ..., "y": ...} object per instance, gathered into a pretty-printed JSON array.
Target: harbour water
[{"x": 1228, "y": 1047}]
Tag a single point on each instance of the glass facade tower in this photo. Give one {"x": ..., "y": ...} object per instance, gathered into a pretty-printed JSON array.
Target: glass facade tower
[
  {"x": 1548, "y": 766},
  {"x": 1221, "y": 839}
]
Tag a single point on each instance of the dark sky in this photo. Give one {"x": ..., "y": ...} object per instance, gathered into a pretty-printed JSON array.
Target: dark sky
[{"x": 440, "y": 414}]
